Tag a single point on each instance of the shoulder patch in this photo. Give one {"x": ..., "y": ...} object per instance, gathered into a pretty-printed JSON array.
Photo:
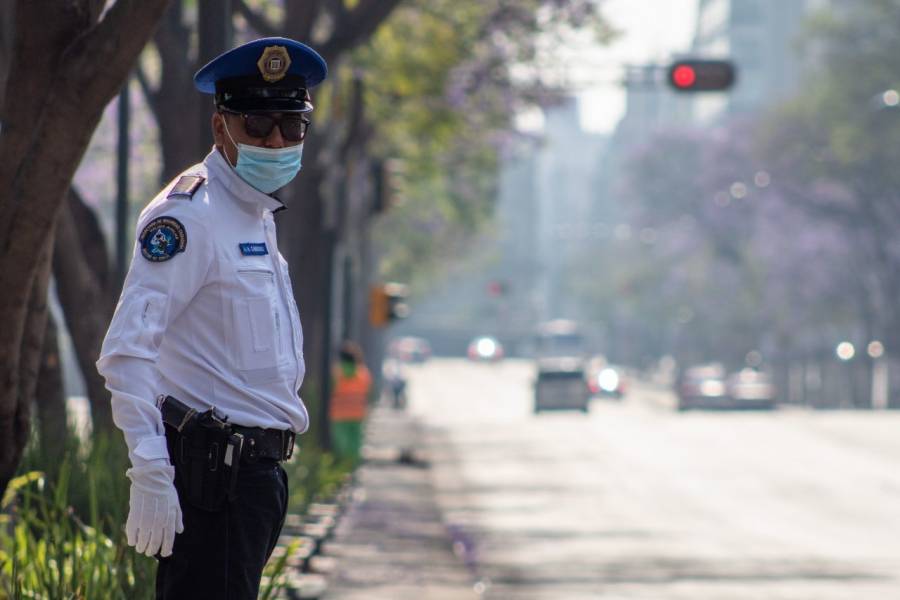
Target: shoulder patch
[
  {"x": 187, "y": 186},
  {"x": 162, "y": 238}
]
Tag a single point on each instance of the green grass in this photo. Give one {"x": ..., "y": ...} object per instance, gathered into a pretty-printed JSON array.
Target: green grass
[{"x": 62, "y": 533}]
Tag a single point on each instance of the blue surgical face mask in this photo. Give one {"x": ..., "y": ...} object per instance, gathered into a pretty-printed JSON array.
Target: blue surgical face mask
[{"x": 267, "y": 169}]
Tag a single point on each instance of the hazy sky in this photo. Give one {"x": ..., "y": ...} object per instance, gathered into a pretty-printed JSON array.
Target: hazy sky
[{"x": 650, "y": 30}]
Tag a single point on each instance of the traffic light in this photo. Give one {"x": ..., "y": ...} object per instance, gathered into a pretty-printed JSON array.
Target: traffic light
[
  {"x": 497, "y": 288},
  {"x": 695, "y": 75},
  {"x": 386, "y": 303}
]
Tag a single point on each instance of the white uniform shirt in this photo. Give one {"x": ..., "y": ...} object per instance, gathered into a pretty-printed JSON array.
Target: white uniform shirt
[{"x": 214, "y": 325}]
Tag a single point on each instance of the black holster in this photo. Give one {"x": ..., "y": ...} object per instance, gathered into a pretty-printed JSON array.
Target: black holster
[{"x": 205, "y": 451}]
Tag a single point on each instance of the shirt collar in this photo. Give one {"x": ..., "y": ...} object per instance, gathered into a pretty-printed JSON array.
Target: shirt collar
[{"x": 217, "y": 166}]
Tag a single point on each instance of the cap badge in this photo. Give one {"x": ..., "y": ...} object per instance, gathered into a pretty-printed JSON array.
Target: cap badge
[{"x": 274, "y": 63}]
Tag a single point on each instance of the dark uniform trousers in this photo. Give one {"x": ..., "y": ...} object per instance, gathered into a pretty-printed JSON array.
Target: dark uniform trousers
[{"x": 221, "y": 555}]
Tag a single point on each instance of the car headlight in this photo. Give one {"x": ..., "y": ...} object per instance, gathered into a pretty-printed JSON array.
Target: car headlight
[
  {"x": 608, "y": 380},
  {"x": 486, "y": 347}
]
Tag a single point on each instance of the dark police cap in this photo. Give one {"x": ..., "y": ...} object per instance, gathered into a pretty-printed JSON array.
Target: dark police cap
[{"x": 268, "y": 74}]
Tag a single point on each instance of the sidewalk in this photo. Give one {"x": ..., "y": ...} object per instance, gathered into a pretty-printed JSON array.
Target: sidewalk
[{"x": 391, "y": 543}]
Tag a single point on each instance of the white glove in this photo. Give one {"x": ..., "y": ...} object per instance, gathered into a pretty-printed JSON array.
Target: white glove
[{"x": 154, "y": 515}]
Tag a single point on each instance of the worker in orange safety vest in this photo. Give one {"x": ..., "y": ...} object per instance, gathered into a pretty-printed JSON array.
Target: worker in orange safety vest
[{"x": 349, "y": 402}]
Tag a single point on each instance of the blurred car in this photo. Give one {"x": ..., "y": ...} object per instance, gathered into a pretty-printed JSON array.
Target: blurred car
[
  {"x": 708, "y": 386},
  {"x": 560, "y": 385},
  {"x": 702, "y": 386},
  {"x": 750, "y": 388},
  {"x": 606, "y": 380},
  {"x": 485, "y": 348},
  {"x": 410, "y": 349}
]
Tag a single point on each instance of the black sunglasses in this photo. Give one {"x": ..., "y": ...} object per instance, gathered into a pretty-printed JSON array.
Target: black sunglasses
[{"x": 259, "y": 125}]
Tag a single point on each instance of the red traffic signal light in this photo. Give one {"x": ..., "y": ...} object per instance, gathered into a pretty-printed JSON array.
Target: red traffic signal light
[
  {"x": 684, "y": 76},
  {"x": 693, "y": 75}
]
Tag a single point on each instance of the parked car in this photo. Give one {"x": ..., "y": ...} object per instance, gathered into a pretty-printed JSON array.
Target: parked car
[
  {"x": 702, "y": 386},
  {"x": 410, "y": 349},
  {"x": 708, "y": 386},
  {"x": 750, "y": 388},
  {"x": 485, "y": 349}
]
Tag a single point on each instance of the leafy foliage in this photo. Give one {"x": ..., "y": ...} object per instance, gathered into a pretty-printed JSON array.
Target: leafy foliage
[
  {"x": 777, "y": 233},
  {"x": 442, "y": 98},
  {"x": 62, "y": 535},
  {"x": 61, "y": 524}
]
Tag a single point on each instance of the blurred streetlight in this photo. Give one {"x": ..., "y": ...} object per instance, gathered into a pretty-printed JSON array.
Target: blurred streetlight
[
  {"x": 738, "y": 190},
  {"x": 762, "y": 179},
  {"x": 886, "y": 100},
  {"x": 875, "y": 349},
  {"x": 845, "y": 351}
]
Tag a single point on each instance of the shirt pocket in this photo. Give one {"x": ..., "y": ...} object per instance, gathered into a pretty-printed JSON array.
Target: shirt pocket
[
  {"x": 257, "y": 327},
  {"x": 138, "y": 323}
]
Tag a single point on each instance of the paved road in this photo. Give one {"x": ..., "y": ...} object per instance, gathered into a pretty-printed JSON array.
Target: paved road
[{"x": 637, "y": 501}]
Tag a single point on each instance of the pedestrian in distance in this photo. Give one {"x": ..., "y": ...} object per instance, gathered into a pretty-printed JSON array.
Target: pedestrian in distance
[
  {"x": 395, "y": 381},
  {"x": 349, "y": 402},
  {"x": 204, "y": 355}
]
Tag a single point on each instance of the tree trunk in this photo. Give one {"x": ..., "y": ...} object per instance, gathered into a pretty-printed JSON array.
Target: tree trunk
[
  {"x": 67, "y": 64},
  {"x": 182, "y": 113},
  {"x": 50, "y": 399},
  {"x": 175, "y": 103},
  {"x": 15, "y": 417},
  {"x": 7, "y": 35},
  {"x": 83, "y": 288},
  {"x": 305, "y": 247}
]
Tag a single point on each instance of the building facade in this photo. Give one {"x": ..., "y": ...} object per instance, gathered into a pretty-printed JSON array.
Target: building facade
[{"x": 762, "y": 38}]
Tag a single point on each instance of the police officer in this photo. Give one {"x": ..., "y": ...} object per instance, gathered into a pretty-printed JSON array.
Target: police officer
[{"x": 206, "y": 337}]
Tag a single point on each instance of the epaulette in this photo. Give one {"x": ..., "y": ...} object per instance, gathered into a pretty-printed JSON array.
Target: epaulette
[{"x": 187, "y": 186}]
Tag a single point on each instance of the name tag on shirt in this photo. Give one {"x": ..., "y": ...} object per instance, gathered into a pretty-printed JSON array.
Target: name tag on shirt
[{"x": 254, "y": 248}]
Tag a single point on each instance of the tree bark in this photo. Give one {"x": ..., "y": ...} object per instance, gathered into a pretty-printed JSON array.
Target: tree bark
[
  {"x": 15, "y": 416},
  {"x": 175, "y": 103},
  {"x": 66, "y": 66},
  {"x": 182, "y": 113},
  {"x": 50, "y": 399},
  {"x": 7, "y": 35},
  {"x": 305, "y": 218}
]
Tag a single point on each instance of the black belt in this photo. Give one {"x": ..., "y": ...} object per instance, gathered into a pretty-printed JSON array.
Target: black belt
[
  {"x": 277, "y": 444},
  {"x": 258, "y": 443}
]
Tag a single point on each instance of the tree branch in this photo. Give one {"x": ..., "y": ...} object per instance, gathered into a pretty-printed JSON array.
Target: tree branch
[
  {"x": 337, "y": 9},
  {"x": 301, "y": 17},
  {"x": 149, "y": 93},
  {"x": 89, "y": 73},
  {"x": 255, "y": 20},
  {"x": 357, "y": 26}
]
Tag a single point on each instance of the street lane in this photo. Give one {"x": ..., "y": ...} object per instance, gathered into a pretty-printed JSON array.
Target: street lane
[{"x": 634, "y": 500}]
